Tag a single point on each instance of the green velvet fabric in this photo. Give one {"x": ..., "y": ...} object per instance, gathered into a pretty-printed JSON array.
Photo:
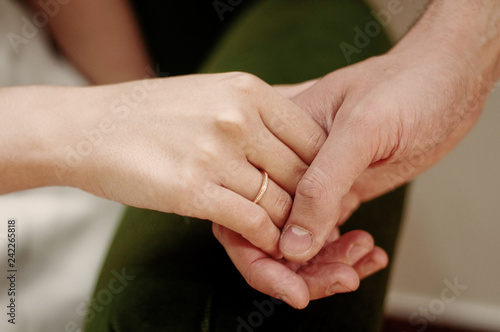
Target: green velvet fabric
[{"x": 165, "y": 272}]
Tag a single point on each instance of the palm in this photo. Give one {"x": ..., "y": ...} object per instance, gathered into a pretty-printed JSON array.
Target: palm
[{"x": 298, "y": 283}]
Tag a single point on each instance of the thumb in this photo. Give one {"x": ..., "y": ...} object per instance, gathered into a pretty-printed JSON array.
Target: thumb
[{"x": 318, "y": 199}]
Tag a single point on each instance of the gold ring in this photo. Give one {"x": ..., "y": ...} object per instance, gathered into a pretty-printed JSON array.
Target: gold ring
[{"x": 263, "y": 187}]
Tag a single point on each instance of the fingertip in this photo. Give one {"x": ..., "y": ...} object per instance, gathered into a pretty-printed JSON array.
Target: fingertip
[
  {"x": 296, "y": 242},
  {"x": 312, "y": 219},
  {"x": 360, "y": 237},
  {"x": 301, "y": 304},
  {"x": 375, "y": 261},
  {"x": 274, "y": 252},
  {"x": 381, "y": 257},
  {"x": 269, "y": 245},
  {"x": 338, "y": 288},
  {"x": 297, "y": 300},
  {"x": 347, "y": 281}
]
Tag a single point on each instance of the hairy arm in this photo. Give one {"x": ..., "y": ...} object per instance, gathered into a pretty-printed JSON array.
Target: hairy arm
[
  {"x": 466, "y": 31},
  {"x": 392, "y": 117}
]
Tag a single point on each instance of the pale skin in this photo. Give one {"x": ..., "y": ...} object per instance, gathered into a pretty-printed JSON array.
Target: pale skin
[
  {"x": 213, "y": 174},
  {"x": 198, "y": 154}
]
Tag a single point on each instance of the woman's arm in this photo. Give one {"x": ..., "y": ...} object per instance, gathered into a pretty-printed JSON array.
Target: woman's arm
[
  {"x": 193, "y": 145},
  {"x": 101, "y": 38},
  {"x": 33, "y": 119}
]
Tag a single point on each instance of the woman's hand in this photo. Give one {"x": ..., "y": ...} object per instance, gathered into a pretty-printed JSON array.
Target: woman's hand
[{"x": 193, "y": 145}]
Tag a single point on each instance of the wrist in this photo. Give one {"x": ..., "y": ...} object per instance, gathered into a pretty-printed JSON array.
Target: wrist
[
  {"x": 38, "y": 122},
  {"x": 464, "y": 32}
]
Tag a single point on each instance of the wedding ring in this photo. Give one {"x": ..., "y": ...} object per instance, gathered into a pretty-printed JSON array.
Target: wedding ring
[{"x": 263, "y": 187}]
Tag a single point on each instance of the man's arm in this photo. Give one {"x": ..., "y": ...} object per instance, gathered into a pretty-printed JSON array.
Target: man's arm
[{"x": 392, "y": 117}]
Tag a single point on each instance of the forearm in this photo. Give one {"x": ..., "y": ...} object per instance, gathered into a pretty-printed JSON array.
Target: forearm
[
  {"x": 101, "y": 38},
  {"x": 36, "y": 123},
  {"x": 466, "y": 31}
]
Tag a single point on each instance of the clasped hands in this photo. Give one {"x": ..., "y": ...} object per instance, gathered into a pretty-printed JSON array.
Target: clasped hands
[
  {"x": 197, "y": 144},
  {"x": 377, "y": 133}
]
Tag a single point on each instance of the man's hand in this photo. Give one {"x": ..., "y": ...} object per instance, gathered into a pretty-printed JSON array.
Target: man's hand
[
  {"x": 391, "y": 117},
  {"x": 337, "y": 268}
]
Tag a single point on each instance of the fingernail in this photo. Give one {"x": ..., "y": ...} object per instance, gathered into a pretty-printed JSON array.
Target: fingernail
[
  {"x": 296, "y": 240},
  {"x": 356, "y": 253},
  {"x": 337, "y": 287}
]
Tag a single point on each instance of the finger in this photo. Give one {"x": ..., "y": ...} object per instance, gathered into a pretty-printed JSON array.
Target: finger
[
  {"x": 261, "y": 272},
  {"x": 247, "y": 181},
  {"x": 329, "y": 279},
  {"x": 331, "y": 271},
  {"x": 319, "y": 195},
  {"x": 371, "y": 263},
  {"x": 348, "y": 249},
  {"x": 293, "y": 126},
  {"x": 278, "y": 160},
  {"x": 334, "y": 235},
  {"x": 237, "y": 213}
]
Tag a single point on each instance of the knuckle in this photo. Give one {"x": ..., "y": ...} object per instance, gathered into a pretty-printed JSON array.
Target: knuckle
[
  {"x": 245, "y": 82},
  {"x": 231, "y": 122},
  {"x": 256, "y": 222},
  {"x": 313, "y": 186},
  {"x": 208, "y": 154}
]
